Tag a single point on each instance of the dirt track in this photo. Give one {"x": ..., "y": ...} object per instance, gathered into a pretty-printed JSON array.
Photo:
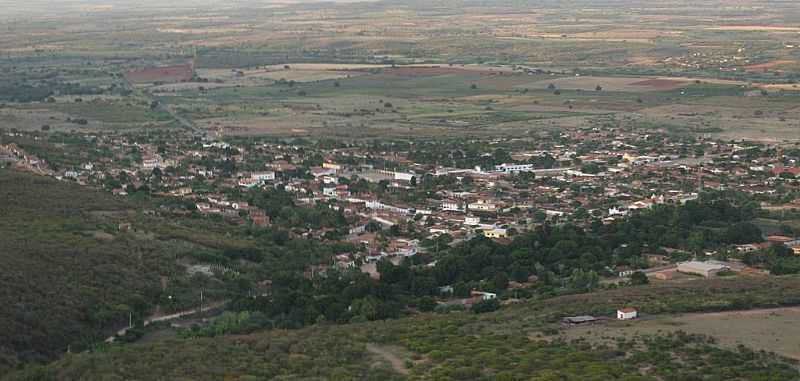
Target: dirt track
[{"x": 396, "y": 362}]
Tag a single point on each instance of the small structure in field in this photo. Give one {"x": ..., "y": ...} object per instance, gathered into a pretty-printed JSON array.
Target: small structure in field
[
  {"x": 627, "y": 313},
  {"x": 574, "y": 320}
]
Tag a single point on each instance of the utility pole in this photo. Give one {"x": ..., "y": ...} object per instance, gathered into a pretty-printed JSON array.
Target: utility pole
[{"x": 201, "y": 300}]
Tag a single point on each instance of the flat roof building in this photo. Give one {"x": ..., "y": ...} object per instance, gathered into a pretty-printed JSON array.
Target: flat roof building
[{"x": 706, "y": 269}]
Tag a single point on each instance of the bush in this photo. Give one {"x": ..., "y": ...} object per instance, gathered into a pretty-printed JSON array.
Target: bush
[{"x": 486, "y": 306}]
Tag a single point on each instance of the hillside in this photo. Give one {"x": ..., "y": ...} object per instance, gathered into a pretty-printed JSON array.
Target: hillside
[
  {"x": 519, "y": 342},
  {"x": 71, "y": 276}
]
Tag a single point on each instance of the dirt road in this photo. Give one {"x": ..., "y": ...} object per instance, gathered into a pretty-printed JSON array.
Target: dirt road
[{"x": 396, "y": 362}]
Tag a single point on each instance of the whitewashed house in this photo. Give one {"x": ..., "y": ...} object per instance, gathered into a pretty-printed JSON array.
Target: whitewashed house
[{"x": 627, "y": 313}]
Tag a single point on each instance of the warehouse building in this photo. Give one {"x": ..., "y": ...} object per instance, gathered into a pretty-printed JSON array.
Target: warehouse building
[{"x": 706, "y": 269}]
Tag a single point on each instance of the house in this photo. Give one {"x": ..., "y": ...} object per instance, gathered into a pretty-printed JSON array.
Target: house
[
  {"x": 777, "y": 171},
  {"x": 472, "y": 221},
  {"x": 627, "y": 313},
  {"x": 402, "y": 248},
  {"x": 259, "y": 217},
  {"x": 451, "y": 206},
  {"x": 746, "y": 248},
  {"x": 617, "y": 211},
  {"x": 333, "y": 166},
  {"x": 263, "y": 176},
  {"x": 403, "y": 176},
  {"x": 318, "y": 172},
  {"x": 329, "y": 191},
  {"x": 484, "y": 295},
  {"x": 779, "y": 239},
  {"x": 482, "y": 206},
  {"x": 150, "y": 163},
  {"x": 513, "y": 168},
  {"x": 249, "y": 183},
  {"x": 243, "y": 205},
  {"x": 183, "y": 191},
  {"x": 706, "y": 269},
  {"x": 624, "y": 271},
  {"x": 495, "y": 233}
]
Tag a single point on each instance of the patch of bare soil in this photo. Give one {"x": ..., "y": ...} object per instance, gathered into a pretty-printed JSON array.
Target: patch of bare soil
[{"x": 396, "y": 362}]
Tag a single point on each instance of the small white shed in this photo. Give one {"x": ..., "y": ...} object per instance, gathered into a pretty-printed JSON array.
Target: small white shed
[{"x": 627, "y": 313}]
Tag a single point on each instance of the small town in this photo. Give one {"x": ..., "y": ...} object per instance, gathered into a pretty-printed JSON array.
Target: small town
[
  {"x": 384, "y": 190},
  {"x": 397, "y": 200}
]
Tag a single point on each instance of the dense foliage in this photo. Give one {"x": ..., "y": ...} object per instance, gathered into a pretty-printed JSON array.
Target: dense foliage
[
  {"x": 505, "y": 345},
  {"x": 71, "y": 275},
  {"x": 62, "y": 281}
]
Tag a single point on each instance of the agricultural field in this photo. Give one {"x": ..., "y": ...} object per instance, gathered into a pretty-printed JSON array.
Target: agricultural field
[
  {"x": 478, "y": 101},
  {"x": 470, "y": 69}
]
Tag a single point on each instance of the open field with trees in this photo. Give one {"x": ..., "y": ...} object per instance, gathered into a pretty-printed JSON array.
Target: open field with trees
[
  {"x": 519, "y": 342},
  {"x": 472, "y": 69}
]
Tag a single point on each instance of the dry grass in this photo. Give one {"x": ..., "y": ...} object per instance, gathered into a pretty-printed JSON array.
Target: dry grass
[
  {"x": 774, "y": 330},
  {"x": 625, "y": 84}
]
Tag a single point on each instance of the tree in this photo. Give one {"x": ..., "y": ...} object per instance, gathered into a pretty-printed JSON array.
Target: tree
[
  {"x": 473, "y": 86},
  {"x": 426, "y": 304},
  {"x": 373, "y": 227},
  {"x": 743, "y": 232},
  {"x": 639, "y": 278},
  {"x": 486, "y": 306},
  {"x": 500, "y": 281}
]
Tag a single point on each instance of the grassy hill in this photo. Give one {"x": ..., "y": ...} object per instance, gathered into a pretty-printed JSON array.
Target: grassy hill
[
  {"x": 519, "y": 342},
  {"x": 70, "y": 276}
]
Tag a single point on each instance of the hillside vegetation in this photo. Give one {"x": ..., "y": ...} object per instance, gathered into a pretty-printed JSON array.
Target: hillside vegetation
[
  {"x": 515, "y": 343},
  {"x": 70, "y": 276}
]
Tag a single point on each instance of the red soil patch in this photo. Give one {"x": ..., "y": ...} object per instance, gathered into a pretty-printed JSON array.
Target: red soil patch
[
  {"x": 661, "y": 84},
  {"x": 768, "y": 65},
  {"x": 176, "y": 73}
]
